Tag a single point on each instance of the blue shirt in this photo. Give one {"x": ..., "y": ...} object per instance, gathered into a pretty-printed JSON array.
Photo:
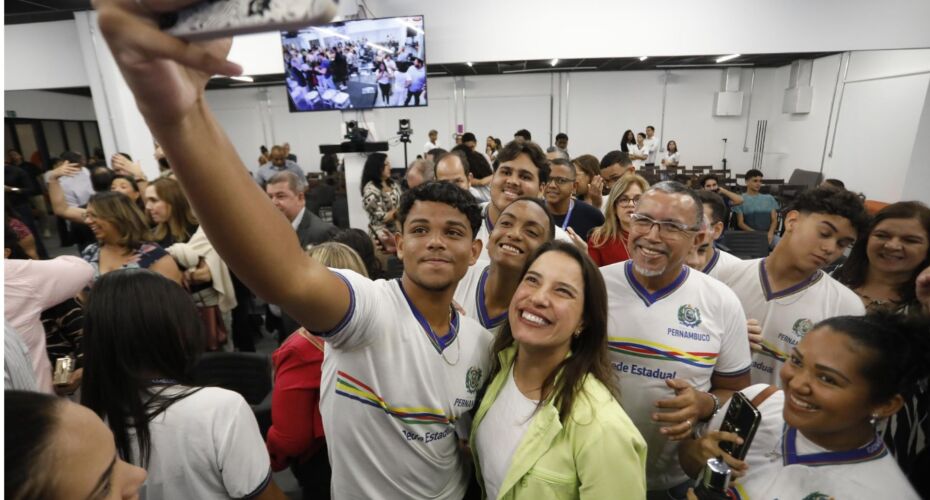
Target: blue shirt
[
  {"x": 757, "y": 210},
  {"x": 417, "y": 78}
]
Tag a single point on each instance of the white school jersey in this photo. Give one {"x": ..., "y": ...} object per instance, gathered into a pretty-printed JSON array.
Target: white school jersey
[
  {"x": 783, "y": 464},
  {"x": 469, "y": 295},
  {"x": 689, "y": 330},
  {"x": 721, "y": 264},
  {"x": 392, "y": 395},
  {"x": 205, "y": 446},
  {"x": 484, "y": 233},
  {"x": 786, "y": 315}
]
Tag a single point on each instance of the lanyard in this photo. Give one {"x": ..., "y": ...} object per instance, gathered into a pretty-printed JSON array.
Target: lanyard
[{"x": 568, "y": 215}]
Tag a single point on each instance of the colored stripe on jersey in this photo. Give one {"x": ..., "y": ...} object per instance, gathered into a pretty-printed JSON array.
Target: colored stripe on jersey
[
  {"x": 873, "y": 450},
  {"x": 352, "y": 388},
  {"x": 772, "y": 352},
  {"x": 654, "y": 350}
]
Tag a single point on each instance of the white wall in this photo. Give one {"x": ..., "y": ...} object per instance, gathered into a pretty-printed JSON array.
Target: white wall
[
  {"x": 42, "y": 56},
  {"x": 492, "y": 30},
  {"x": 48, "y": 105},
  {"x": 253, "y": 117}
]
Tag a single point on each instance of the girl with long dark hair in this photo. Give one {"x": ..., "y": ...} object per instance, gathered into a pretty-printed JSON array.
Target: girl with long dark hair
[
  {"x": 142, "y": 339},
  {"x": 380, "y": 194}
]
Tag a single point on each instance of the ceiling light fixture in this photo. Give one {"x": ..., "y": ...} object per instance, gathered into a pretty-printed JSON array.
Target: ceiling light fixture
[
  {"x": 555, "y": 61},
  {"x": 643, "y": 58},
  {"x": 727, "y": 58},
  {"x": 243, "y": 78},
  {"x": 469, "y": 64}
]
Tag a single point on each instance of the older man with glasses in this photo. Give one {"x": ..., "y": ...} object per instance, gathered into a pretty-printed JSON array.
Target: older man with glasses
[
  {"x": 678, "y": 338},
  {"x": 567, "y": 212}
]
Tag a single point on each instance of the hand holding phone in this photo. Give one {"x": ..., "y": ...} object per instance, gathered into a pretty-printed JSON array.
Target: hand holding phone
[
  {"x": 219, "y": 18},
  {"x": 742, "y": 419}
]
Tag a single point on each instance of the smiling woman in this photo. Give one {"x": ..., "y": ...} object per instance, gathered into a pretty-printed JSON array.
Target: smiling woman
[
  {"x": 550, "y": 381},
  {"x": 123, "y": 239},
  {"x": 847, "y": 374}
]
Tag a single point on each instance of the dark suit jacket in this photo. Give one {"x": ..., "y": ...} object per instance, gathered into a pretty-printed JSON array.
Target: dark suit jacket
[{"x": 313, "y": 230}]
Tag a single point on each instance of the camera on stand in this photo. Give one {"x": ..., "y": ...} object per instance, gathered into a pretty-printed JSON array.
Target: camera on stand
[
  {"x": 404, "y": 131},
  {"x": 356, "y": 135}
]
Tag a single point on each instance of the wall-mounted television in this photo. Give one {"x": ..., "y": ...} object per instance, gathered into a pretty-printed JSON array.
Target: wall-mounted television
[{"x": 360, "y": 64}]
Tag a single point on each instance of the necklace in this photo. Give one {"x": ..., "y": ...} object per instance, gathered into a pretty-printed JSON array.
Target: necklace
[{"x": 440, "y": 343}]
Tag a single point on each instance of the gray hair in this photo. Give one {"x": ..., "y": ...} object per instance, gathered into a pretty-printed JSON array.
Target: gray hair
[
  {"x": 294, "y": 181},
  {"x": 425, "y": 167},
  {"x": 561, "y": 154},
  {"x": 672, "y": 187}
]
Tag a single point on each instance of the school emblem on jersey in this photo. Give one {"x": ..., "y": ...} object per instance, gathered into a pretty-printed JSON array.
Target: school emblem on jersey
[
  {"x": 802, "y": 326},
  {"x": 818, "y": 496},
  {"x": 473, "y": 379},
  {"x": 689, "y": 316}
]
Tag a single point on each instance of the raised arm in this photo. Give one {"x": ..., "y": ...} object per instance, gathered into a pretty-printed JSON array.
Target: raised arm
[
  {"x": 57, "y": 195},
  {"x": 167, "y": 77}
]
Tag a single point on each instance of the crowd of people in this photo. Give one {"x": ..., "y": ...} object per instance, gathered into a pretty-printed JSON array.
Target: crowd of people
[{"x": 514, "y": 323}]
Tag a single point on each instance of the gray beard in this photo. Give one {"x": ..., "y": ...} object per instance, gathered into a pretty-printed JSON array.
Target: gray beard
[{"x": 649, "y": 273}]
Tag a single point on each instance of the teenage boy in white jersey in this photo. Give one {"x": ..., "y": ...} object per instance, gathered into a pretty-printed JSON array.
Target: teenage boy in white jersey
[
  {"x": 408, "y": 364},
  {"x": 485, "y": 291},
  {"x": 677, "y": 338},
  {"x": 706, "y": 257},
  {"x": 523, "y": 171},
  {"x": 786, "y": 292}
]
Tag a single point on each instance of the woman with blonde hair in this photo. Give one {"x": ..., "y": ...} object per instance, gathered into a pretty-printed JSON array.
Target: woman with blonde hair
[
  {"x": 171, "y": 216},
  {"x": 123, "y": 238},
  {"x": 607, "y": 243},
  {"x": 296, "y": 437}
]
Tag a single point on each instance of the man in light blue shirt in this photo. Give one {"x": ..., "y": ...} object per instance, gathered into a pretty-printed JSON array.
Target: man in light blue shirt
[
  {"x": 278, "y": 163},
  {"x": 416, "y": 82}
]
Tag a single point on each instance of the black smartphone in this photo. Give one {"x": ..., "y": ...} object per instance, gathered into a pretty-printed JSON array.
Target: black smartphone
[
  {"x": 218, "y": 18},
  {"x": 742, "y": 419}
]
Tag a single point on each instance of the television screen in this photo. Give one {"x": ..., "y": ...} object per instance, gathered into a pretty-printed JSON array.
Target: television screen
[{"x": 362, "y": 64}]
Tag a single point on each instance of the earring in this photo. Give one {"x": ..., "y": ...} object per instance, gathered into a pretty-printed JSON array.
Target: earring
[
  {"x": 874, "y": 419},
  {"x": 577, "y": 333}
]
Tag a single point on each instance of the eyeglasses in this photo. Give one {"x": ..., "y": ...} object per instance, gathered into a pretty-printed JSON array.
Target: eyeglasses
[
  {"x": 559, "y": 181},
  {"x": 644, "y": 223},
  {"x": 623, "y": 200}
]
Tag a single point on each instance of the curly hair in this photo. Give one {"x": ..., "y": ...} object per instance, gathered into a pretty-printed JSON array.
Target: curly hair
[
  {"x": 830, "y": 201},
  {"x": 441, "y": 192}
]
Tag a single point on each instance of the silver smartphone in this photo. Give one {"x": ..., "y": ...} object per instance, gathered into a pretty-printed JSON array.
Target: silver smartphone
[{"x": 220, "y": 18}]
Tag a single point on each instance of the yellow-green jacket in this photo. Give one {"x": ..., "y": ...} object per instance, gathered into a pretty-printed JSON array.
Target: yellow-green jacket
[{"x": 597, "y": 453}]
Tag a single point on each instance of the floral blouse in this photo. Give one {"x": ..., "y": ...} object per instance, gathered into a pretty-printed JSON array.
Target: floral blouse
[
  {"x": 143, "y": 257},
  {"x": 378, "y": 203}
]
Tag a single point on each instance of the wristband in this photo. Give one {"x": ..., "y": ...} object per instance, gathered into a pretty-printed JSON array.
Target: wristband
[{"x": 716, "y": 406}]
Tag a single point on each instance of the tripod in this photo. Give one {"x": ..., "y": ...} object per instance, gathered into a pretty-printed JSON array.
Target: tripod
[
  {"x": 724, "y": 160},
  {"x": 405, "y": 138}
]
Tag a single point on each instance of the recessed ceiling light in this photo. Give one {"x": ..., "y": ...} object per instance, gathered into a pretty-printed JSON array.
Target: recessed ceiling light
[
  {"x": 554, "y": 61},
  {"x": 727, "y": 58},
  {"x": 643, "y": 58}
]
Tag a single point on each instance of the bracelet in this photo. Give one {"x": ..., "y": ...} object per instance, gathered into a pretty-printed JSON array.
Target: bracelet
[{"x": 716, "y": 406}]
